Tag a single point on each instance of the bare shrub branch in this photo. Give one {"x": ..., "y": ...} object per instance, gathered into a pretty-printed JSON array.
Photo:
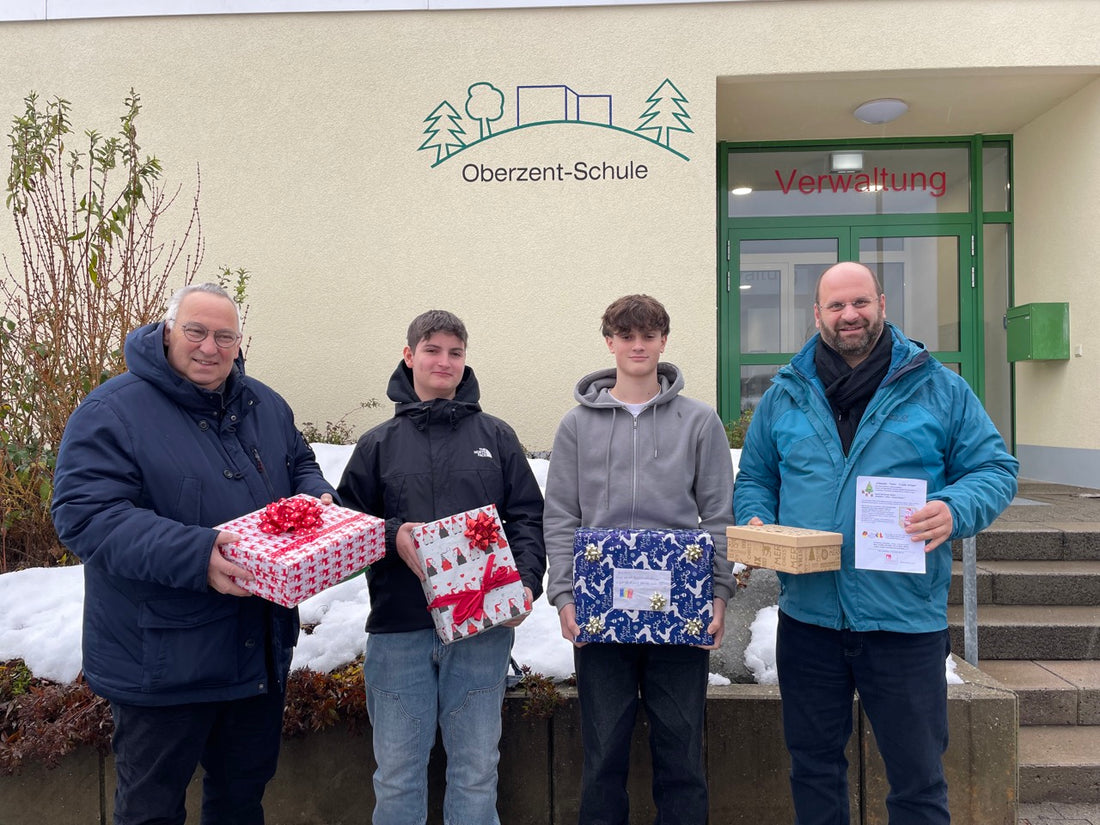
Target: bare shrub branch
[{"x": 92, "y": 266}]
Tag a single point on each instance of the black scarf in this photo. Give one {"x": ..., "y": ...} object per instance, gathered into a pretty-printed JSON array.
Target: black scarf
[{"x": 850, "y": 390}]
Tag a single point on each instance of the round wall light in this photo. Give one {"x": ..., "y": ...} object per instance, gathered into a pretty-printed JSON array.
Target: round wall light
[{"x": 882, "y": 110}]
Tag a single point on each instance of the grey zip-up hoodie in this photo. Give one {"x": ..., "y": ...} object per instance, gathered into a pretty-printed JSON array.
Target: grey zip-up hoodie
[{"x": 667, "y": 469}]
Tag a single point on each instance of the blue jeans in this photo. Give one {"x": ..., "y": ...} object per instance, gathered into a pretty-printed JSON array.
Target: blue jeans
[
  {"x": 672, "y": 682},
  {"x": 158, "y": 748},
  {"x": 902, "y": 684},
  {"x": 414, "y": 684}
]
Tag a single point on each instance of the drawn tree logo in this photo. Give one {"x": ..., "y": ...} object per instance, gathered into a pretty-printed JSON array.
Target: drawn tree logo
[
  {"x": 485, "y": 104},
  {"x": 445, "y": 138},
  {"x": 549, "y": 103},
  {"x": 666, "y": 113}
]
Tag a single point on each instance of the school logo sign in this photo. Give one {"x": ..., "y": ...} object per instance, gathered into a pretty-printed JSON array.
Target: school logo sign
[{"x": 490, "y": 113}]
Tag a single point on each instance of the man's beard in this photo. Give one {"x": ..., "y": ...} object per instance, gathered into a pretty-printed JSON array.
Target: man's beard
[{"x": 856, "y": 347}]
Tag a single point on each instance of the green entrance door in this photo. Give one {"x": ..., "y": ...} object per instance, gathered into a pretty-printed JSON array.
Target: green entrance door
[{"x": 926, "y": 273}]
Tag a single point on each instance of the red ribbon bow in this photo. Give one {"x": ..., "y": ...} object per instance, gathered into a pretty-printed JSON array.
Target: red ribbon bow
[
  {"x": 286, "y": 514},
  {"x": 470, "y": 603},
  {"x": 482, "y": 531}
]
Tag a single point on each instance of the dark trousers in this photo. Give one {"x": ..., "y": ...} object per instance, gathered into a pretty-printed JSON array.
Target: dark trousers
[
  {"x": 158, "y": 748},
  {"x": 902, "y": 684},
  {"x": 672, "y": 683}
]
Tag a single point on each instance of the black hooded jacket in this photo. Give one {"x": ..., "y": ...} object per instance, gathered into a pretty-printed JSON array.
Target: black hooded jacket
[{"x": 434, "y": 459}]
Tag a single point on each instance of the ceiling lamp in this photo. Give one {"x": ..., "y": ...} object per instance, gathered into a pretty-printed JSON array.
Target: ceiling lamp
[
  {"x": 846, "y": 161},
  {"x": 882, "y": 110}
]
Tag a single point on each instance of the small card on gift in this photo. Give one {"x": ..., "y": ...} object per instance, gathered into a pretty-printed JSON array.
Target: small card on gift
[
  {"x": 297, "y": 547},
  {"x": 634, "y": 586},
  {"x": 471, "y": 581}
]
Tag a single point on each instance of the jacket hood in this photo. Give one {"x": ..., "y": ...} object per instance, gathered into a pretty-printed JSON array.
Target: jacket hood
[
  {"x": 594, "y": 390},
  {"x": 146, "y": 358},
  {"x": 407, "y": 403}
]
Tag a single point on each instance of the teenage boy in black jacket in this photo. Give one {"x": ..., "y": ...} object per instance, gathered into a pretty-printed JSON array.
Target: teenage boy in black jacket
[{"x": 439, "y": 455}]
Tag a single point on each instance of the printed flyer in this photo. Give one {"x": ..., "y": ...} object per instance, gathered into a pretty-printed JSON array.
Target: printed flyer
[{"x": 883, "y": 508}]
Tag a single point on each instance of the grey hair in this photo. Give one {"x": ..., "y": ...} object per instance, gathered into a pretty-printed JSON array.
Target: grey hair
[{"x": 209, "y": 288}]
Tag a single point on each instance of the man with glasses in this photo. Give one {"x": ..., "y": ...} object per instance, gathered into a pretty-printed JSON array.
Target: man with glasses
[
  {"x": 194, "y": 666},
  {"x": 861, "y": 399}
]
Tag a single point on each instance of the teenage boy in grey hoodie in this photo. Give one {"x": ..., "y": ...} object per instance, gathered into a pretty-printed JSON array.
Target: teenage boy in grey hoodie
[{"x": 636, "y": 454}]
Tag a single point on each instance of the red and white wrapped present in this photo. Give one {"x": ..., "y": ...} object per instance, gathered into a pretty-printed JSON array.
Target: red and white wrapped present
[
  {"x": 297, "y": 547},
  {"x": 471, "y": 579}
]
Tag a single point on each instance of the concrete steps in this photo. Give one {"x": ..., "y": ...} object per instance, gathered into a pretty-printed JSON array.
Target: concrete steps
[
  {"x": 1031, "y": 631},
  {"x": 1045, "y": 541},
  {"x": 1059, "y": 763},
  {"x": 1052, "y": 692},
  {"x": 1032, "y": 582},
  {"x": 1058, "y": 744},
  {"x": 1038, "y": 589}
]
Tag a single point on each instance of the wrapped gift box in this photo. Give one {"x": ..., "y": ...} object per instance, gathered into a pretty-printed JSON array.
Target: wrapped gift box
[
  {"x": 471, "y": 581},
  {"x": 292, "y": 565},
  {"x": 633, "y": 586},
  {"x": 787, "y": 549}
]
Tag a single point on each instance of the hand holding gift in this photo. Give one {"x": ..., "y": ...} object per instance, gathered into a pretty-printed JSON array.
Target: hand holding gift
[
  {"x": 406, "y": 548},
  {"x": 221, "y": 574}
]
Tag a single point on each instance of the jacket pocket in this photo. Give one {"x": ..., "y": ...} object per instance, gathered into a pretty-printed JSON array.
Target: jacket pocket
[
  {"x": 189, "y": 643},
  {"x": 188, "y": 509}
]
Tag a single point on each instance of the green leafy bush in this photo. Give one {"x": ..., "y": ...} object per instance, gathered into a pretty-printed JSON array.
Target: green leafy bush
[
  {"x": 338, "y": 431},
  {"x": 735, "y": 430}
]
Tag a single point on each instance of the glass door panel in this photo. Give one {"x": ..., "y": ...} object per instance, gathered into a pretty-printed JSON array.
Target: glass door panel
[
  {"x": 773, "y": 276},
  {"x": 776, "y": 291},
  {"x": 920, "y": 277},
  {"x": 927, "y": 277},
  {"x": 996, "y": 266},
  {"x": 754, "y": 381}
]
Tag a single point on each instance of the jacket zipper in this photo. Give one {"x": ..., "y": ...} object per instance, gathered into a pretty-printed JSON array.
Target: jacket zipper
[
  {"x": 263, "y": 473},
  {"x": 634, "y": 470}
]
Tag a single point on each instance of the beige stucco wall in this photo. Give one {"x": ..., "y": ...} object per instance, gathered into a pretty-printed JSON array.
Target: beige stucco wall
[
  {"x": 307, "y": 127},
  {"x": 1057, "y": 248}
]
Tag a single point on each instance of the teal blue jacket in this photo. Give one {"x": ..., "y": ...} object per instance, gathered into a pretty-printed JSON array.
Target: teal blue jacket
[{"x": 924, "y": 422}]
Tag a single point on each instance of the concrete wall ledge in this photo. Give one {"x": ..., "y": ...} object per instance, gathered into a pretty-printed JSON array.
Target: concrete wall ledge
[{"x": 324, "y": 779}]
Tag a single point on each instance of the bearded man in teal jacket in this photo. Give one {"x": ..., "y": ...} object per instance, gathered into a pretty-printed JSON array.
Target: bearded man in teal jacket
[{"x": 861, "y": 399}]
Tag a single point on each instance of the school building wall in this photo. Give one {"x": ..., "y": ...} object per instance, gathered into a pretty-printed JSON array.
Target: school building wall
[
  {"x": 1058, "y": 259},
  {"x": 308, "y": 128}
]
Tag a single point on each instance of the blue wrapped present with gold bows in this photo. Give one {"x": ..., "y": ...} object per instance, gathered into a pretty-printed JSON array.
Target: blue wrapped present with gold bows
[{"x": 638, "y": 586}]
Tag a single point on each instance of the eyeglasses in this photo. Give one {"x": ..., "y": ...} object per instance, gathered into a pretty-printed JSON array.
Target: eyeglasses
[
  {"x": 835, "y": 307},
  {"x": 196, "y": 334}
]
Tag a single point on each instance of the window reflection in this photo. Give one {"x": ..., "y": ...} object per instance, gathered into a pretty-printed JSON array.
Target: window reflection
[{"x": 777, "y": 291}]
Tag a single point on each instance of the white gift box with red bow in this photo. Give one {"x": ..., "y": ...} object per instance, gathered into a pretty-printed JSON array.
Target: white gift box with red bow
[{"x": 471, "y": 581}]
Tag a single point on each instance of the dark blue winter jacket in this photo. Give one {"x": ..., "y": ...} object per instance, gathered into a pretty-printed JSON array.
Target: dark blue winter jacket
[{"x": 149, "y": 463}]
